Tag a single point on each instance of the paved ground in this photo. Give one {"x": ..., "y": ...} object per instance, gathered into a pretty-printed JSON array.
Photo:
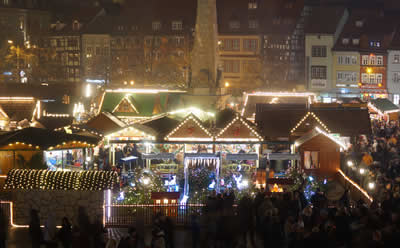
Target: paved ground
[{"x": 19, "y": 238}]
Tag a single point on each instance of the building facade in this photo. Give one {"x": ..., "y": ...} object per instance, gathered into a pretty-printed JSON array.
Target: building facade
[{"x": 322, "y": 32}]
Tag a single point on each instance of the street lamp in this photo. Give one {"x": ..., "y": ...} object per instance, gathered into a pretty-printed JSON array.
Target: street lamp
[
  {"x": 227, "y": 84},
  {"x": 132, "y": 82},
  {"x": 362, "y": 171},
  {"x": 10, "y": 42},
  {"x": 350, "y": 163}
]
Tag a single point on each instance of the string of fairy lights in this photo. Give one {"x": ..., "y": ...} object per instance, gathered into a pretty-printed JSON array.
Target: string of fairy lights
[
  {"x": 237, "y": 118},
  {"x": 190, "y": 117},
  {"x": 60, "y": 180},
  {"x": 315, "y": 117}
]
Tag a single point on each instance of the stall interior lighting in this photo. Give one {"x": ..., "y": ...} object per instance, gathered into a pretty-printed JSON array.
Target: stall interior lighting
[{"x": 130, "y": 103}]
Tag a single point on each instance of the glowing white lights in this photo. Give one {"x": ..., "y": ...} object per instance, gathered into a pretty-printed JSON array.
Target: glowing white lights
[
  {"x": 88, "y": 90},
  {"x": 356, "y": 186},
  {"x": 190, "y": 117},
  {"x": 341, "y": 144},
  {"x": 350, "y": 163},
  {"x": 362, "y": 171},
  {"x": 311, "y": 96},
  {"x": 242, "y": 122},
  {"x": 371, "y": 185},
  {"x": 315, "y": 117}
]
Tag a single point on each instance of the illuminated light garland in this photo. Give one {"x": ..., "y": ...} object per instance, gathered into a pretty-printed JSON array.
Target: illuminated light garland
[
  {"x": 188, "y": 118},
  {"x": 45, "y": 114},
  {"x": 126, "y": 97},
  {"x": 237, "y": 118},
  {"x": 278, "y": 94},
  {"x": 17, "y": 143},
  {"x": 17, "y": 99},
  {"x": 380, "y": 112},
  {"x": 356, "y": 186},
  {"x": 60, "y": 180},
  {"x": 341, "y": 144},
  {"x": 101, "y": 103},
  {"x": 191, "y": 110},
  {"x": 145, "y": 91},
  {"x": 305, "y": 117},
  {"x": 120, "y": 132}
]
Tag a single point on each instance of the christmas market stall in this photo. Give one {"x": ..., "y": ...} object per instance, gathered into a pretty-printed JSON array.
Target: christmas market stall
[
  {"x": 197, "y": 156},
  {"x": 238, "y": 142},
  {"x": 383, "y": 109},
  {"x": 134, "y": 104},
  {"x": 27, "y": 148}
]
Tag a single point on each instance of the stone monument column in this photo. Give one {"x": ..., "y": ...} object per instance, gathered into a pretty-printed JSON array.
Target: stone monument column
[{"x": 205, "y": 54}]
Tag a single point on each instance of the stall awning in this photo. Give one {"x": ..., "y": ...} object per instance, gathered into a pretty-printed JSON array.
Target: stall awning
[
  {"x": 242, "y": 156},
  {"x": 201, "y": 155},
  {"x": 282, "y": 156},
  {"x": 158, "y": 156}
]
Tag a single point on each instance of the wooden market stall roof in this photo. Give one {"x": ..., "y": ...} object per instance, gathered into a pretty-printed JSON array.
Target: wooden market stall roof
[
  {"x": 139, "y": 102},
  {"x": 18, "y": 108},
  {"x": 383, "y": 105},
  {"x": 275, "y": 122},
  {"x": 134, "y": 131},
  {"x": 105, "y": 123},
  {"x": 235, "y": 128},
  {"x": 38, "y": 138},
  {"x": 190, "y": 129}
]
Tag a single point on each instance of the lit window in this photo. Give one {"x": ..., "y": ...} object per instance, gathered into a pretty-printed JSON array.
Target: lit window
[
  {"x": 365, "y": 59},
  {"x": 234, "y": 24},
  {"x": 372, "y": 60},
  {"x": 379, "y": 78},
  {"x": 379, "y": 60},
  {"x": 356, "y": 41},
  {"x": 165, "y": 201},
  {"x": 177, "y": 25},
  {"x": 364, "y": 78},
  {"x": 396, "y": 59},
  {"x": 252, "y": 5},
  {"x": 156, "y": 26},
  {"x": 359, "y": 23},
  {"x": 372, "y": 79},
  {"x": 345, "y": 41},
  {"x": 173, "y": 201},
  {"x": 158, "y": 201},
  {"x": 396, "y": 99},
  {"x": 354, "y": 60}
]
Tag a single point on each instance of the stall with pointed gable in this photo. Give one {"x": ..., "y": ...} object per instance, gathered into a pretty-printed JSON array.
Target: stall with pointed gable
[
  {"x": 384, "y": 109},
  {"x": 320, "y": 152},
  {"x": 238, "y": 142}
]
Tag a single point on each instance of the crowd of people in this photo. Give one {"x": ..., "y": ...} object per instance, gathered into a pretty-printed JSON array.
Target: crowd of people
[{"x": 375, "y": 160}]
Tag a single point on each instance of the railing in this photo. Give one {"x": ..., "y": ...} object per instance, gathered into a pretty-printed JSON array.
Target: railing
[{"x": 128, "y": 215}]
